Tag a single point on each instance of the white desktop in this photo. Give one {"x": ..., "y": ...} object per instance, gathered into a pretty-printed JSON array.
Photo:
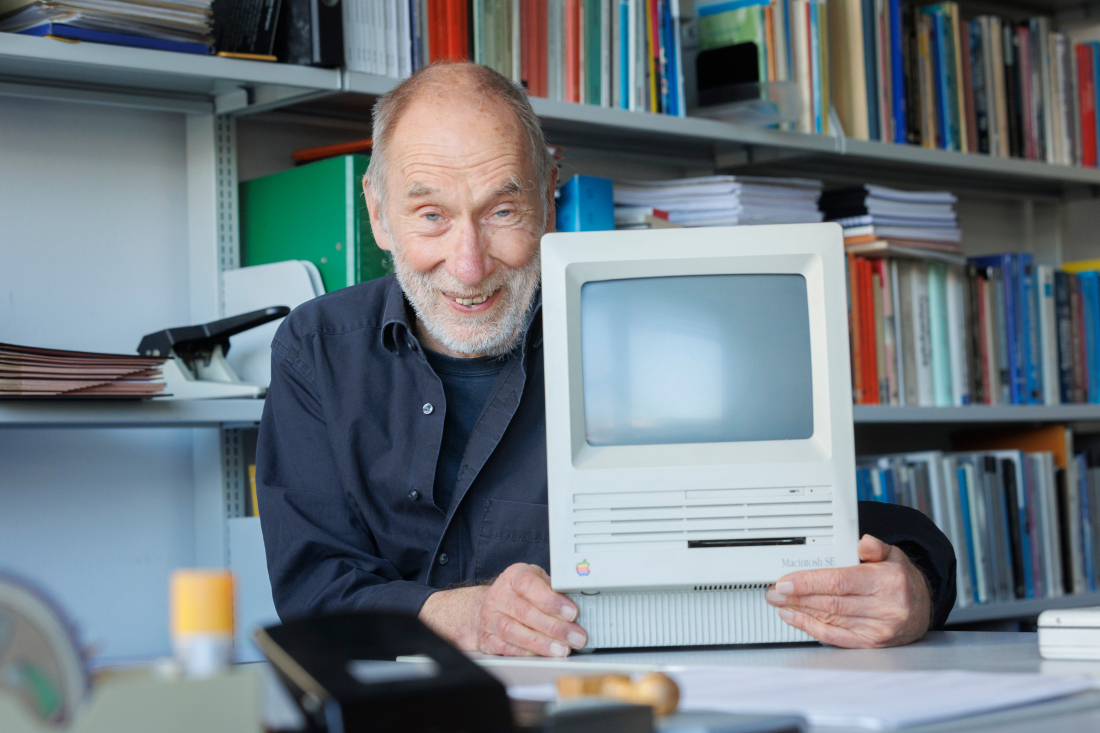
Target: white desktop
[{"x": 698, "y": 427}]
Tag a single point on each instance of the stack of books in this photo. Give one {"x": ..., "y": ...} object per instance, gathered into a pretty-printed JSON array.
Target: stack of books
[
  {"x": 31, "y": 372},
  {"x": 622, "y": 53},
  {"x": 1021, "y": 510},
  {"x": 179, "y": 25},
  {"x": 925, "y": 75},
  {"x": 877, "y": 219},
  {"x": 720, "y": 200}
]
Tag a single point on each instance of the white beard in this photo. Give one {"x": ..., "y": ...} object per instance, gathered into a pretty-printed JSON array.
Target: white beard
[{"x": 494, "y": 333}]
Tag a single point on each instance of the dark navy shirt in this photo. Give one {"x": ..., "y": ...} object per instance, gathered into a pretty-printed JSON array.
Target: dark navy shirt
[
  {"x": 349, "y": 450},
  {"x": 466, "y": 386}
]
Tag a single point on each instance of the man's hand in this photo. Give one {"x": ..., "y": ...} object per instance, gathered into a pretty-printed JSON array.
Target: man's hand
[
  {"x": 885, "y": 601},
  {"x": 518, "y": 615}
]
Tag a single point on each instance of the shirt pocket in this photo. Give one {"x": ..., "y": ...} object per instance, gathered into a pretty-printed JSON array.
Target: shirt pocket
[{"x": 511, "y": 532}]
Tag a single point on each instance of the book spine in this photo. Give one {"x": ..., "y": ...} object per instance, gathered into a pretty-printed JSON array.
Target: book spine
[
  {"x": 1032, "y": 332},
  {"x": 1063, "y": 314},
  {"x": 882, "y": 384},
  {"x": 1012, "y": 90},
  {"x": 947, "y": 134},
  {"x": 970, "y": 112},
  {"x": 941, "y": 349},
  {"x": 1080, "y": 356},
  {"x": 1048, "y": 335},
  {"x": 855, "y": 332},
  {"x": 898, "y": 356},
  {"x": 997, "y": 62},
  {"x": 1023, "y": 45},
  {"x": 954, "y": 82},
  {"x": 926, "y": 393},
  {"x": 989, "y": 91},
  {"x": 870, "y": 67},
  {"x": 956, "y": 336},
  {"x": 990, "y": 392},
  {"x": 930, "y": 132},
  {"x": 897, "y": 80},
  {"x": 974, "y": 337},
  {"x": 1086, "y": 72},
  {"x": 1092, "y": 336}
]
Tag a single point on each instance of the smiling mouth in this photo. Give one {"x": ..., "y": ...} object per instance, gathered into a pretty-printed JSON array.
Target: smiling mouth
[{"x": 471, "y": 301}]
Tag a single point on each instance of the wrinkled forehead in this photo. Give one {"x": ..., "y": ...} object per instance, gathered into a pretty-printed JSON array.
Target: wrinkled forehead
[{"x": 462, "y": 137}]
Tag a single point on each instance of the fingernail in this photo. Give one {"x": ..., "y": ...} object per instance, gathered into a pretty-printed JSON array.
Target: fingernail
[
  {"x": 784, "y": 587},
  {"x": 577, "y": 640},
  {"x": 786, "y": 614},
  {"x": 558, "y": 650},
  {"x": 569, "y": 613},
  {"x": 773, "y": 597}
]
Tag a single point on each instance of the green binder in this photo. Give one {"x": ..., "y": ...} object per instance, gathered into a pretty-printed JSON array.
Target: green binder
[{"x": 317, "y": 213}]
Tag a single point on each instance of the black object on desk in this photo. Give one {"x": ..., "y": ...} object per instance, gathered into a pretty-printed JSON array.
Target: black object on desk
[
  {"x": 198, "y": 342},
  {"x": 342, "y": 670}
]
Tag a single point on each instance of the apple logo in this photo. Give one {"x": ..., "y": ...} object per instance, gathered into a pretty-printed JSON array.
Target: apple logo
[{"x": 582, "y": 568}]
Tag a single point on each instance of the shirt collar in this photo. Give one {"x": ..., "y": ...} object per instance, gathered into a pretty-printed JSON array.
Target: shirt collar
[{"x": 396, "y": 327}]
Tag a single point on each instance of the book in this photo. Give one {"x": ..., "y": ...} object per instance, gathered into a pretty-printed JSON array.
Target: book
[
  {"x": 311, "y": 33},
  {"x": 69, "y": 32}
]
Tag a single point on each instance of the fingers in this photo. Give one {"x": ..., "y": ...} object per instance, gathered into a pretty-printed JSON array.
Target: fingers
[
  {"x": 872, "y": 549},
  {"x": 522, "y": 612},
  {"x": 827, "y": 582},
  {"x": 532, "y": 583},
  {"x": 824, "y": 632},
  {"x": 831, "y": 608}
]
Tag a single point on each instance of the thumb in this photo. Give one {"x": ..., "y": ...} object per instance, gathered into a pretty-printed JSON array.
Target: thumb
[{"x": 872, "y": 549}]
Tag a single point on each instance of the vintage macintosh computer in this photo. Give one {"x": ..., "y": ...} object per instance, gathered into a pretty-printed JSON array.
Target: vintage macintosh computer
[{"x": 698, "y": 427}]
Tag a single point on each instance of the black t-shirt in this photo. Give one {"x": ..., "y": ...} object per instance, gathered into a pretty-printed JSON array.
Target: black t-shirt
[{"x": 466, "y": 386}]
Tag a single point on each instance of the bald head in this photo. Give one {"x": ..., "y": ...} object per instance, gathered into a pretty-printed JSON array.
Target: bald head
[{"x": 447, "y": 84}]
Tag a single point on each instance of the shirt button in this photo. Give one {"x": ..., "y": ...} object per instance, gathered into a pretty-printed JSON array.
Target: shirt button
[
  {"x": 427, "y": 408},
  {"x": 414, "y": 495},
  {"x": 443, "y": 559}
]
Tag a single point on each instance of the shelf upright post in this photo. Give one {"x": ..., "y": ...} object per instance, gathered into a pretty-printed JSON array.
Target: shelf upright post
[{"x": 213, "y": 248}]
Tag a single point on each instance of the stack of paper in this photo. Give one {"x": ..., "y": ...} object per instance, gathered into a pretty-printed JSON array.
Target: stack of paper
[
  {"x": 833, "y": 698},
  {"x": 178, "y": 25},
  {"x": 29, "y": 372},
  {"x": 721, "y": 200},
  {"x": 876, "y": 217}
]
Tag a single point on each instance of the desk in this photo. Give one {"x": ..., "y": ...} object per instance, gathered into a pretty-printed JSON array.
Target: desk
[{"x": 977, "y": 651}]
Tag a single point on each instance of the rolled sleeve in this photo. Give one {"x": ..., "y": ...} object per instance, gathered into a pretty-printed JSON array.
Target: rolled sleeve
[
  {"x": 321, "y": 555},
  {"x": 923, "y": 542}
]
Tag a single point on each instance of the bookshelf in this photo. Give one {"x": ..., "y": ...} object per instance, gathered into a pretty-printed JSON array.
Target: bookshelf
[
  {"x": 215, "y": 95},
  {"x": 1027, "y": 414},
  {"x": 125, "y": 414},
  {"x": 1020, "y": 609}
]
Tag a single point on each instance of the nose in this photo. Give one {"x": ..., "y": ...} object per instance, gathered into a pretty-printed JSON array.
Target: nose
[{"x": 469, "y": 261}]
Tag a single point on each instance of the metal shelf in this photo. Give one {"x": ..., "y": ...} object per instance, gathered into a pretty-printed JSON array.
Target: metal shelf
[
  {"x": 1019, "y": 609},
  {"x": 118, "y": 75},
  {"x": 135, "y": 414},
  {"x": 139, "y": 77},
  {"x": 879, "y": 414},
  {"x": 728, "y": 146}
]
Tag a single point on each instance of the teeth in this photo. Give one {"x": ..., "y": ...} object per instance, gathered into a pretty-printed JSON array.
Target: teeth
[{"x": 477, "y": 300}]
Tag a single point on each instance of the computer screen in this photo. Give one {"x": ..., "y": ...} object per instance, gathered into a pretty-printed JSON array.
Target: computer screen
[{"x": 696, "y": 359}]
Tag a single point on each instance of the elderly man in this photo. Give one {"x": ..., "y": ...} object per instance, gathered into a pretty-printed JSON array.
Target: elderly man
[{"x": 402, "y": 454}]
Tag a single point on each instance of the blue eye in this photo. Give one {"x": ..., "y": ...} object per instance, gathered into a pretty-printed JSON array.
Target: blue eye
[
  {"x": 505, "y": 212},
  {"x": 433, "y": 217}
]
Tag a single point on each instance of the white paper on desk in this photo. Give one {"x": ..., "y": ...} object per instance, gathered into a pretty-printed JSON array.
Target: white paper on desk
[{"x": 846, "y": 699}]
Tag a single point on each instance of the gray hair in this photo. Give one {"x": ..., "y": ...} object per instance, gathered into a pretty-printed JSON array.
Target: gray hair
[{"x": 441, "y": 78}]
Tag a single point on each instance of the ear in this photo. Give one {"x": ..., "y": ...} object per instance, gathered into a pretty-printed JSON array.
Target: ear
[
  {"x": 381, "y": 238},
  {"x": 551, "y": 206}
]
